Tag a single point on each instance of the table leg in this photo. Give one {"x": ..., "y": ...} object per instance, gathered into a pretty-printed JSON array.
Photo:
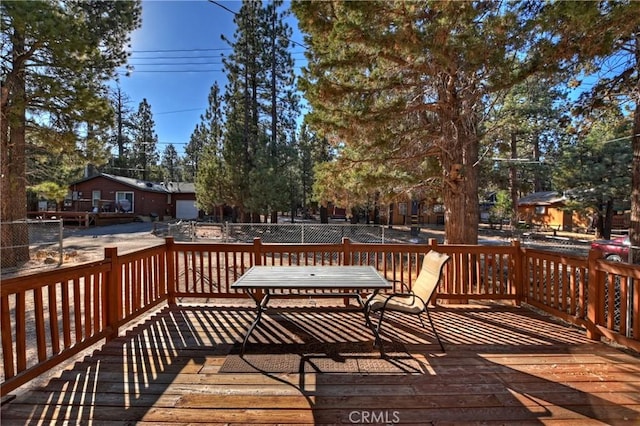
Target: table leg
[{"x": 261, "y": 307}]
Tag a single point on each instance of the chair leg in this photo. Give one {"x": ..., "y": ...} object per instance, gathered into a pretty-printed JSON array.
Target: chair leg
[
  {"x": 367, "y": 315},
  {"x": 433, "y": 328},
  {"x": 378, "y": 340}
]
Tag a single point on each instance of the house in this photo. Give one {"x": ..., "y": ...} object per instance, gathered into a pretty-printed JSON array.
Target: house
[
  {"x": 413, "y": 212},
  {"x": 109, "y": 195},
  {"x": 547, "y": 209}
]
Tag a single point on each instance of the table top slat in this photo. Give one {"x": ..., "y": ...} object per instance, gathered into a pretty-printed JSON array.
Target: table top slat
[{"x": 312, "y": 277}]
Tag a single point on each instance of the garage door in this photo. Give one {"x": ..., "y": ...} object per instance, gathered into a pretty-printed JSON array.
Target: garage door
[{"x": 186, "y": 209}]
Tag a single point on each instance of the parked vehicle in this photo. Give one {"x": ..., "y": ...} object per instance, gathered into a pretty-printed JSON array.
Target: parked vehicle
[{"x": 615, "y": 250}]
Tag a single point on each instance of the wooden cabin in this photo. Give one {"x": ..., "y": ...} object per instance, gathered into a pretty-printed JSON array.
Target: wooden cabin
[{"x": 109, "y": 195}]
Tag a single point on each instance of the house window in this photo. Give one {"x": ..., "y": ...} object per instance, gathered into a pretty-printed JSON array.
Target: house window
[
  {"x": 124, "y": 201},
  {"x": 541, "y": 210},
  {"x": 95, "y": 198},
  {"x": 402, "y": 208}
]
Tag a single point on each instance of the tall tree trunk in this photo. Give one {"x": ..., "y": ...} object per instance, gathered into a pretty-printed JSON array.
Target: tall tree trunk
[
  {"x": 608, "y": 220},
  {"x": 459, "y": 157},
  {"x": 461, "y": 197},
  {"x": 14, "y": 238},
  {"x": 324, "y": 214}
]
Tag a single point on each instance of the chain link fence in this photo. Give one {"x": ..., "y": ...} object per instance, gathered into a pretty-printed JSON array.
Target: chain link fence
[
  {"x": 294, "y": 233},
  {"x": 35, "y": 242}
]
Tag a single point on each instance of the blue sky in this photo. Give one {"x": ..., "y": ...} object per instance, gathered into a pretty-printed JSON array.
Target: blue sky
[{"x": 176, "y": 55}]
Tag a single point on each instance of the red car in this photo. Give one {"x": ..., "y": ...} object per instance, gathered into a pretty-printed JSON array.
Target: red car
[{"x": 616, "y": 250}]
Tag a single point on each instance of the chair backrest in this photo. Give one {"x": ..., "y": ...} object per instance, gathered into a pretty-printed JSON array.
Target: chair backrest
[{"x": 430, "y": 274}]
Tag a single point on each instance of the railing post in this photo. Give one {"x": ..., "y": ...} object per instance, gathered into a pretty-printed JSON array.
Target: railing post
[
  {"x": 257, "y": 251},
  {"x": 346, "y": 251},
  {"x": 518, "y": 272},
  {"x": 113, "y": 301},
  {"x": 595, "y": 296},
  {"x": 170, "y": 259},
  {"x": 346, "y": 260}
]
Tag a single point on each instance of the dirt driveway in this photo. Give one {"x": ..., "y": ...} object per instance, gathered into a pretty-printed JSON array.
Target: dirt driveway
[
  {"x": 89, "y": 244},
  {"x": 82, "y": 245}
]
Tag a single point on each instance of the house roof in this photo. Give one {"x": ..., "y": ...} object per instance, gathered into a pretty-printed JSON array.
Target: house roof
[
  {"x": 167, "y": 188},
  {"x": 543, "y": 198}
]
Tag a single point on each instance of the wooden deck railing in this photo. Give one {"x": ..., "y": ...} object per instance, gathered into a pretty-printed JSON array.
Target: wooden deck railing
[
  {"x": 49, "y": 317},
  {"x": 556, "y": 284}
]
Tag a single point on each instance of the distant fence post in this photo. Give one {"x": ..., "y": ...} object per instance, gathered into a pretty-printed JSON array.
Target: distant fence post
[
  {"x": 114, "y": 291},
  {"x": 170, "y": 258},
  {"x": 595, "y": 296}
]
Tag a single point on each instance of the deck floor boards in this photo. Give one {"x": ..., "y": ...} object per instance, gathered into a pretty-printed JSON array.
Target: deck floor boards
[{"x": 503, "y": 365}]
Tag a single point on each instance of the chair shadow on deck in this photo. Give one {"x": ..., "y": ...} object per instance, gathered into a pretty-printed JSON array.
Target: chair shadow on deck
[{"x": 502, "y": 364}]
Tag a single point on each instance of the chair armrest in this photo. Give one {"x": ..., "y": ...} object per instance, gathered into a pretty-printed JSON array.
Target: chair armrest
[{"x": 405, "y": 287}]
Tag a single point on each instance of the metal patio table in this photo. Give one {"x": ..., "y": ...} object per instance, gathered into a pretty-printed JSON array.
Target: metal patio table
[{"x": 264, "y": 283}]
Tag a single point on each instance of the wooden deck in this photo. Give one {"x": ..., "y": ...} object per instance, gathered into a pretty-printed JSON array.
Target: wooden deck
[{"x": 503, "y": 365}]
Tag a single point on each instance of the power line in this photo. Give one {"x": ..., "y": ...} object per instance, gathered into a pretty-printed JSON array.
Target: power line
[
  {"x": 147, "y": 58},
  {"x": 179, "y": 63},
  {"x": 236, "y": 14},
  {"x": 224, "y": 7},
  {"x": 182, "y": 50},
  {"x": 164, "y": 71},
  {"x": 220, "y": 55},
  {"x": 161, "y": 64}
]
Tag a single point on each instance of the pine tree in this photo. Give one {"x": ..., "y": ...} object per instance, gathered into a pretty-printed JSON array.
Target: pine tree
[
  {"x": 521, "y": 135},
  {"x": 212, "y": 186},
  {"x": 145, "y": 141},
  {"x": 56, "y": 58},
  {"x": 121, "y": 138},
  {"x": 606, "y": 36},
  {"x": 401, "y": 81},
  {"x": 171, "y": 165},
  {"x": 596, "y": 168},
  {"x": 244, "y": 71},
  {"x": 398, "y": 82},
  {"x": 306, "y": 144},
  {"x": 281, "y": 107},
  {"x": 194, "y": 151}
]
